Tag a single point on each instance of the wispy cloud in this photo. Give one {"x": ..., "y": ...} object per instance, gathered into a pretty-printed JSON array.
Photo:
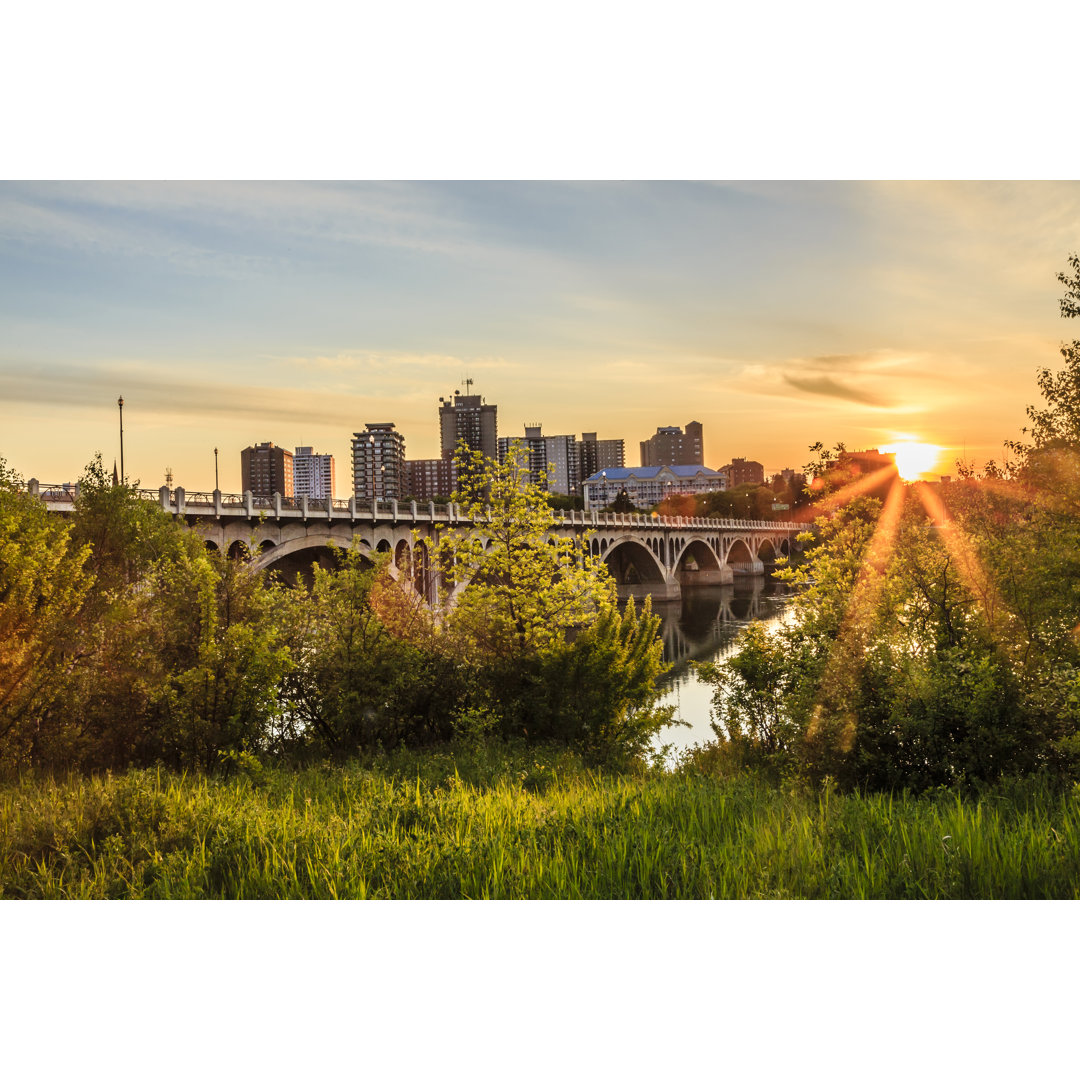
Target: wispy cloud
[
  {"x": 828, "y": 386},
  {"x": 151, "y": 397},
  {"x": 394, "y": 361},
  {"x": 878, "y": 379}
]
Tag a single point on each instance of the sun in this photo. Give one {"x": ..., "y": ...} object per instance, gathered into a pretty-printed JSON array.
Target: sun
[{"x": 913, "y": 458}]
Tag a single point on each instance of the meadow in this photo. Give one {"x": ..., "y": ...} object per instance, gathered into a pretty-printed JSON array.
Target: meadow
[{"x": 510, "y": 821}]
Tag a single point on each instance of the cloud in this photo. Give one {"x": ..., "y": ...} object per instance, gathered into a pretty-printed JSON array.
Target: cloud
[
  {"x": 827, "y": 386},
  {"x": 878, "y": 379},
  {"x": 387, "y": 361},
  {"x": 149, "y": 396}
]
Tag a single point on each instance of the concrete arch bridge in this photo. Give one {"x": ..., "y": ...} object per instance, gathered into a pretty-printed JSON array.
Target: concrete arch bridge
[{"x": 647, "y": 555}]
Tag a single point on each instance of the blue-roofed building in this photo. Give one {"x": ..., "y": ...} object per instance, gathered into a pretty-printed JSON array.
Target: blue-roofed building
[{"x": 647, "y": 486}]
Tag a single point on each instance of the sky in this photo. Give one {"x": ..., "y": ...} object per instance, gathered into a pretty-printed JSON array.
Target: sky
[{"x": 777, "y": 314}]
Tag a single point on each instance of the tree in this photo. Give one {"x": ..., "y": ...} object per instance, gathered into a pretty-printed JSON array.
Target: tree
[
  {"x": 517, "y": 586},
  {"x": 44, "y": 585},
  {"x": 536, "y": 614},
  {"x": 1051, "y": 461},
  {"x": 368, "y": 670}
]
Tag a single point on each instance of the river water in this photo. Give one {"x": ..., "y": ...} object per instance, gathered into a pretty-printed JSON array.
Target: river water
[{"x": 704, "y": 625}]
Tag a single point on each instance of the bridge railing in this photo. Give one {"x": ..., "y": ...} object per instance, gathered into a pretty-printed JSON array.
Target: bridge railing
[
  {"x": 60, "y": 493},
  {"x": 177, "y": 500}
]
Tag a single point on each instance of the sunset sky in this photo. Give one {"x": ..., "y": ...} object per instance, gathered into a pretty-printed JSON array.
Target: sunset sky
[{"x": 776, "y": 314}]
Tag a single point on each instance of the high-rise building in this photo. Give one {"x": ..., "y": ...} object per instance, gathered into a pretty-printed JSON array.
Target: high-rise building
[
  {"x": 532, "y": 445},
  {"x": 378, "y": 462},
  {"x": 741, "y": 471},
  {"x": 428, "y": 478},
  {"x": 465, "y": 418},
  {"x": 596, "y": 454},
  {"x": 313, "y": 474},
  {"x": 672, "y": 446},
  {"x": 553, "y": 455},
  {"x": 266, "y": 469}
]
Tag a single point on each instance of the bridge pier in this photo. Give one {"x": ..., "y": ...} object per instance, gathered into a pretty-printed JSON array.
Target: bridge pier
[{"x": 668, "y": 590}]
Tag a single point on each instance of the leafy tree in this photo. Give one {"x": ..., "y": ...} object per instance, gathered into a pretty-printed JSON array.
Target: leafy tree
[
  {"x": 747, "y": 501},
  {"x": 537, "y": 616},
  {"x": 369, "y": 670},
  {"x": 622, "y": 504},
  {"x": 44, "y": 584},
  {"x": 518, "y": 587},
  {"x": 565, "y": 502},
  {"x": 1050, "y": 462},
  {"x": 681, "y": 505},
  {"x": 901, "y": 668}
]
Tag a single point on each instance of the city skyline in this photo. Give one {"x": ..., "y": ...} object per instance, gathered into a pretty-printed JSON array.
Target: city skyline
[{"x": 775, "y": 314}]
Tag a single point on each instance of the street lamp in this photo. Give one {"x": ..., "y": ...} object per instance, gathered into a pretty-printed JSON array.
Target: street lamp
[
  {"x": 123, "y": 477},
  {"x": 217, "y": 486}
]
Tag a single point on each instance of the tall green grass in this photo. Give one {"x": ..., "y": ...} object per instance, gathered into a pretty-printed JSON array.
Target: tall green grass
[{"x": 520, "y": 822}]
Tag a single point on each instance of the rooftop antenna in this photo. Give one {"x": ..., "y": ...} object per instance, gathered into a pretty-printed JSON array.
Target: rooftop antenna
[{"x": 467, "y": 383}]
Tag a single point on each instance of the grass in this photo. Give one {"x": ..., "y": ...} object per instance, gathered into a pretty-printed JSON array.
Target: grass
[{"x": 517, "y": 822}]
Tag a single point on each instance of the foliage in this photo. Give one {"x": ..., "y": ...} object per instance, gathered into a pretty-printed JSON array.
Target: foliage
[
  {"x": 898, "y": 670},
  {"x": 621, "y": 504},
  {"x": 565, "y": 502},
  {"x": 745, "y": 502},
  {"x": 44, "y": 586},
  {"x": 749, "y": 701},
  {"x": 367, "y": 668},
  {"x": 536, "y": 614},
  {"x": 516, "y": 587}
]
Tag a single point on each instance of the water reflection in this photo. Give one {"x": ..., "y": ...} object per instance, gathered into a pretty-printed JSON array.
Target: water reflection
[{"x": 704, "y": 625}]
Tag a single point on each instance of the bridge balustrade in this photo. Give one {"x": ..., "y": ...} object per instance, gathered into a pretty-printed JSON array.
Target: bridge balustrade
[{"x": 179, "y": 501}]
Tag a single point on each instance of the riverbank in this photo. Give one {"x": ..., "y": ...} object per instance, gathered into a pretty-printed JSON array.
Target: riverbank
[{"x": 522, "y": 822}]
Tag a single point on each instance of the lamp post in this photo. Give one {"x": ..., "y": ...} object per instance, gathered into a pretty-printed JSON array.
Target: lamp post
[
  {"x": 123, "y": 477},
  {"x": 217, "y": 486}
]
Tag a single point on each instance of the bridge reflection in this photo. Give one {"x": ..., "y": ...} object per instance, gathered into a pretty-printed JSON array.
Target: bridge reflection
[{"x": 704, "y": 624}]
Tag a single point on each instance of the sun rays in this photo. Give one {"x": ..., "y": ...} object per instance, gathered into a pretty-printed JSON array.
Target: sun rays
[{"x": 834, "y": 713}]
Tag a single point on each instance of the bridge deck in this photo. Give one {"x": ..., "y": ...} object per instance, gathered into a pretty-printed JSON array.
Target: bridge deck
[{"x": 217, "y": 504}]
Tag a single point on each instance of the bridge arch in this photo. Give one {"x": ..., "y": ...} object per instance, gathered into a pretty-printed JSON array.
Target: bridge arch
[
  {"x": 697, "y": 555},
  {"x": 630, "y": 562},
  {"x": 301, "y": 552},
  {"x": 766, "y": 552},
  {"x": 740, "y": 558}
]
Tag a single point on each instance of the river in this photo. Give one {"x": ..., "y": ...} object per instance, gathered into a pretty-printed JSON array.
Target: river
[{"x": 704, "y": 625}]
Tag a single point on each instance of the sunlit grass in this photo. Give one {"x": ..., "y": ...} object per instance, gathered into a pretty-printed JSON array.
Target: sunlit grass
[{"x": 516, "y": 823}]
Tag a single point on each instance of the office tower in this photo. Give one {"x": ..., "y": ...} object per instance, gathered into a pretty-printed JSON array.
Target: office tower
[
  {"x": 266, "y": 469},
  {"x": 378, "y": 462},
  {"x": 671, "y": 446},
  {"x": 313, "y": 474}
]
